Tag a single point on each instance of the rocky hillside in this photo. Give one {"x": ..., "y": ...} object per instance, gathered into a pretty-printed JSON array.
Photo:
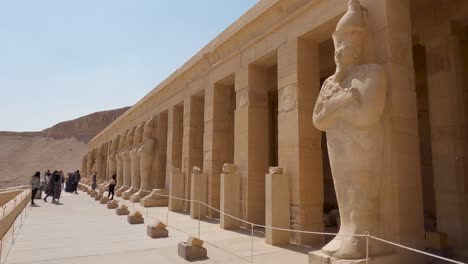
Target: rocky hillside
[{"x": 59, "y": 147}]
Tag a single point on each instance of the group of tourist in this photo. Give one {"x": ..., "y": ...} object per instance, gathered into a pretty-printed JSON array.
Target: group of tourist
[{"x": 52, "y": 184}]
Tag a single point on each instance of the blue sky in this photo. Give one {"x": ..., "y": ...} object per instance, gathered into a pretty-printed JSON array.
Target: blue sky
[{"x": 60, "y": 60}]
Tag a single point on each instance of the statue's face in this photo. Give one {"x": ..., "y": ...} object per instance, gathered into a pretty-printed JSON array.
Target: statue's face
[{"x": 348, "y": 48}]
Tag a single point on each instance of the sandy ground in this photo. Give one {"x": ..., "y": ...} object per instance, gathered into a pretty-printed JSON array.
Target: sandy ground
[{"x": 21, "y": 156}]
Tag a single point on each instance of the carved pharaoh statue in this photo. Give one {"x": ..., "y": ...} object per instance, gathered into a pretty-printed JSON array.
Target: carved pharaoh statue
[
  {"x": 135, "y": 163},
  {"x": 99, "y": 163},
  {"x": 118, "y": 159},
  {"x": 84, "y": 162},
  {"x": 125, "y": 155},
  {"x": 112, "y": 155},
  {"x": 90, "y": 163},
  {"x": 146, "y": 154},
  {"x": 349, "y": 109}
]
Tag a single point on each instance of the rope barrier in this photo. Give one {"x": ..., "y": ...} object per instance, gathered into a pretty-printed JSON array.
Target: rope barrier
[{"x": 252, "y": 225}]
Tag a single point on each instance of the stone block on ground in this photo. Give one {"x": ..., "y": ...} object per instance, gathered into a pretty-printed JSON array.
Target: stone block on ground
[
  {"x": 104, "y": 200},
  {"x": 158, "y": 230},
  {"x": 122, "y": 210},
  {"x": 188, "y": 252},
  {"x": 135, "y": 218},
  {"x": 112, "y": 205}
]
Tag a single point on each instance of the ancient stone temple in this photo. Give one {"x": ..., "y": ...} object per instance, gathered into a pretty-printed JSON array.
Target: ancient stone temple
[{"x": 344, "y": 116}]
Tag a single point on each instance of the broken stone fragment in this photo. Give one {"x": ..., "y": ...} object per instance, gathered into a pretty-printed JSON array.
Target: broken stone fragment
[
  {"x": 195, "y": 242},
  {"x": 275, "y": 170}
]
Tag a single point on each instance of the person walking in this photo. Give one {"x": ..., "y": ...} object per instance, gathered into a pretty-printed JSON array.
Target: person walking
[
  {"x": 49, "y": 190},
  {"x": 78, "y": 179},
  {"x": 35, "y": 183},
  {"x": 72, "y": 181},
  {"x": 57, "y": 179},
  {"x": 94, "y": 182},
  {"x": 112, "y": 184}
]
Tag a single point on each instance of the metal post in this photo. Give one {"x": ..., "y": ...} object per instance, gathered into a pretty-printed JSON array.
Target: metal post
[
  {"x": 199, "y": 219},
  {"x": 13, "y": 234},
  {"x": 167, "y": 216},
  {"x": 251, "y": 242},
  {"x": 367, "y": 247},
  {"x": 146, "y": 211}
]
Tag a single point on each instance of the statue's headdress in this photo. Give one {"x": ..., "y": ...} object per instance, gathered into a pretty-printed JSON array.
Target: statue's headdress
[
  {"x": 150, "y": 125},
  {"x": 354, "y": 21}
]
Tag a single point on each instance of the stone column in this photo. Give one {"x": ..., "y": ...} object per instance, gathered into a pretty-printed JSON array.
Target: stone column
[
  {"x": 251, "y": 140},
  {"x": 277, "y": 207},
  {"x": 176, "y": 189},
  {"x": 192, "y": 146},
  {"x": 400, "y": 199},
  {"x": 447, "y": 110},
  {"x": 218, "y": 138},
  {"x": 174, "y": 140},
  {"x": 230, "y": 197},
  {"x": 162, "y": 172},
  {"x": 198, "y": 192},
  {"x": 299, "y": 142}
]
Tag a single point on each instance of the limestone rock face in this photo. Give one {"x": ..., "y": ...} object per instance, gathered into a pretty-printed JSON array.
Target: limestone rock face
[{"x": 83, "y": 128}]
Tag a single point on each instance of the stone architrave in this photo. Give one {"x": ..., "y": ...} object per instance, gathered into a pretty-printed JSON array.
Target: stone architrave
[
  {"x": 119, "y": 162},
  {"x": 146, "y": 155},
  {"x": 349, "y": 109},
  {"x": 125, "y": 155},
  {"x": 135, "y": 163}
]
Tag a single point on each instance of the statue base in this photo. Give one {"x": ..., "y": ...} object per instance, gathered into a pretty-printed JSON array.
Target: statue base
[
  {"x": 190, "y": 252},
  {"x": 135, "y": 198},
  {"x": 97, "y": 197},
  {"x": 121, "y": 190},
  {"x": 112, "y": 205},
  {"x": 104, "y": 188},
  {"x": 120, "y": 211},
  {"x": 135, "y": 220},
  {"x": 104, "y": 200},
  {"x": 155, "y": 200},
  {"x": 155, "y": 232},
  {"x": 318, "y": 257},
  {"x": 128, "y": 193}
]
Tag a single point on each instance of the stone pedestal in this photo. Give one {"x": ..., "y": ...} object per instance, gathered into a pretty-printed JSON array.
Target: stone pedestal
[
  {"x": 103, "y": 188},
  {"x": 128, "y": 193},
  {"x": 121, "y": 190},
  {"x": 97, "y": 196},
  {"x": 112, "y": 205},
  {"x": 122, "y": 210},
  {"x": 176, "y": 189},
  {"x": 198, "y": 192},
  {"x": 191, "y": 253},
  {"x": 157, "y": 230},
  {"x": 317, "y": 257},
  {"x": 277, "y": 209},
  {"x": 104, "y": 200},
  {"x": 157, "y": 198},
  {"x": 135, "y": 218},
  {"x": 230, "y": 200},
  {"x": 136, "y": 197}
]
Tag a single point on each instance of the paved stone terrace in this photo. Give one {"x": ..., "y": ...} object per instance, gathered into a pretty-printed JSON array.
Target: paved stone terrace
[{"x": 84, "y": 231}]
